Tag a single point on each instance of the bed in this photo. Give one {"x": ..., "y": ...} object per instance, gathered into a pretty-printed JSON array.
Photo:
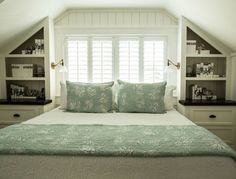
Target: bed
[{"x": 26, "y": 162}]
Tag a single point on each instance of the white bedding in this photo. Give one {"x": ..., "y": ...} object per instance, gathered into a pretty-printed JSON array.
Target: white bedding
[{"x": 58, "y": 116}]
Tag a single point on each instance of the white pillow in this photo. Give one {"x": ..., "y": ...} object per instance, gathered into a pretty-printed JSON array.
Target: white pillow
[
  {"x": 168, "y": 98},
  {"x": 63, "y": 95}
]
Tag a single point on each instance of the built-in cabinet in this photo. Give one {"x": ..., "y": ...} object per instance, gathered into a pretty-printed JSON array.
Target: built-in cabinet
[
  {"x": 28, "y": 82},
  {"x": 205, "y": 69},
  {"x": 218, "y": 119},
  {"x": 13, "y": 113},
  {"x": 26, "y": 65},
  {"x": 27, "y": 69},
  {"x": 205, "y": 83}
]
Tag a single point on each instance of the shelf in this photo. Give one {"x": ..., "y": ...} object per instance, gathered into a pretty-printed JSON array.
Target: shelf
[
  {"x": 207, "y": 56},
  {"x": 25, "y": 56},
  {"x": 207, "y": 102},
  {"x": 26, "y": 79},
  {"x": 25, "y": 102},
  {"x": 206, "y": 79}
]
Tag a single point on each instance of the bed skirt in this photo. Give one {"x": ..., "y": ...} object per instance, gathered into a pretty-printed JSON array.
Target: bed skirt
[{"x": 85, "y": 167}]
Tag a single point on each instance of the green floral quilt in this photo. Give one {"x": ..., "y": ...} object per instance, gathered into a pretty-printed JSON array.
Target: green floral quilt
[{"x": 105, "y": 140}]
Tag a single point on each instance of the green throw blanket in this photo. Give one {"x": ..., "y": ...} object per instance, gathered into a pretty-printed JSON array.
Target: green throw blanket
[{"x": 105, "y": 140}]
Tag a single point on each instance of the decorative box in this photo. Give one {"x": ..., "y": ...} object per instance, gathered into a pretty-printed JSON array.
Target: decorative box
[
  {"x": 191, "y": 46},
  {"x": 205, "y": 52},
  {"x": 22, "y": 70}
]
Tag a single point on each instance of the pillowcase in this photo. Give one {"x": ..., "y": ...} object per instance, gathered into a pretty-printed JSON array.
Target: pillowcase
[
  {"x": 114, "y": 96},
  {"x": 141, "y": 97},
  {"x": 63, "y": 95},
  {"x": 89, "y": 97},
  {"x": 168, "y": 98}
]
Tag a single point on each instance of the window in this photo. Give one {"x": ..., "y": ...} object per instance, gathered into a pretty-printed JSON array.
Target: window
[
  {"x": 129, "y": 60},
  {"x": 137, "y": 59},
  {"x": 153, "y": 60},
  {"x": 102, "y": 60},
  {"x": 78, "y": 60}
]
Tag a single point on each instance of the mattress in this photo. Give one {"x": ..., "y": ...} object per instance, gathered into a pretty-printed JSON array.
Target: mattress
[
  {"x": 95, "y": 167},
  {"x": 58, "y": 116}
]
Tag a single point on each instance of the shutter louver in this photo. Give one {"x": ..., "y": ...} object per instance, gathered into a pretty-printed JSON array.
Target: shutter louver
[
  {"x": 102, "y": 60},
  {"x": 139, "y": 59},
  {"x": 129, "y": 60},
  {"x": 153, "y": 60},
  {"x": 78, "y": 60}
]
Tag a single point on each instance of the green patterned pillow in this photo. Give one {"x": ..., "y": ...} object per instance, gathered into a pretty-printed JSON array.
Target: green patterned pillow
[
  {"x": 141, "y": 97},
  {"x": 89, "y": 97}
]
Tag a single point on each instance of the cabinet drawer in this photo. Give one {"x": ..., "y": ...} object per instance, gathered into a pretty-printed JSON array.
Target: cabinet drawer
[
  {"x": 212, "y": 116},
  {"x": 10, "y": 116},
  {"x": 226, "y": 134}
]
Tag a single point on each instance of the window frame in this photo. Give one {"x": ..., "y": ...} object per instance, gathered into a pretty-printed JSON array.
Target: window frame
[{"x": 115, "y": 50}]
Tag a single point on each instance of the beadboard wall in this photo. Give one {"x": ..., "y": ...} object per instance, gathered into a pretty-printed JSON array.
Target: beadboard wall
[
  {"x": 115, "y": 22},
  {"x": 119, "y": 18}
]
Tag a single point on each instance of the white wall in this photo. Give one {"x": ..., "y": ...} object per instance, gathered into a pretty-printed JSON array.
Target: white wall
[
  {"x": 233, "y": 76},
  {"x": 116, "y": 22},
  {"x": 2, "y": 85}
]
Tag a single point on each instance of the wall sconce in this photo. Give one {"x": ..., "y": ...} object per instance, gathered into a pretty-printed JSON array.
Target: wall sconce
[
  {"x": 177, "y": 65},
  {"x": 54, "y": 65},
  {"x": 61, "y": 62}
]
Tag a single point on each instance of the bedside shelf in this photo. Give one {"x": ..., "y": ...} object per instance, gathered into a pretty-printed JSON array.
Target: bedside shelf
[
  {"x": 25, "y": 55},
  {"x": 207, "y": 102},
  {"x": 206, "y": 56},
  {"x": 205, "y": 79},
  {"x": 25, "y": 101},
  {"x": 26, "y": 79}
]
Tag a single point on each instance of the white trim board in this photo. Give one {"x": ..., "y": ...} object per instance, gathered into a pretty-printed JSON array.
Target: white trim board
[
  {"x": 206, "y": 36},
  {"x": 22, "y": 38}
]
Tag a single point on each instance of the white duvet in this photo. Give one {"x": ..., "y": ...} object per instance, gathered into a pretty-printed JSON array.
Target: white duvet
[{"x": 58, "y": 116}]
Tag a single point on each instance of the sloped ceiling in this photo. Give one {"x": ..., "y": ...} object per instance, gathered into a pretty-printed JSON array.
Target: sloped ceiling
[{"x": 216, "y": 17}]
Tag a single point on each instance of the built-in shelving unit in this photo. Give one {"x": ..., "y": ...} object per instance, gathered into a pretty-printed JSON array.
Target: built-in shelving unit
[
  {"x": 204, "y": 69},
  {"x": 25, "y": 69},
  {"x": 205, "y": 84},
  {"x": 27, "y": 82},
  {"x": 27, "y": 65}
]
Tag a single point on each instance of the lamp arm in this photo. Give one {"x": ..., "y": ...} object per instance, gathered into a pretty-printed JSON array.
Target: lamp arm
[
  {"x": 53, "y": 65},
  {"x": 177, "y": 65}
]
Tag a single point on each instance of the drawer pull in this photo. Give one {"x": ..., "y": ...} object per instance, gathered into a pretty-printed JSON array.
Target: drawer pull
[
  {"x": 212, "y": 116},
  {"x": 16, "y": 115}
]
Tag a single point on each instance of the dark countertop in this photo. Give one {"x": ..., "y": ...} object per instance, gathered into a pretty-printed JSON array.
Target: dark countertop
[
  {"x": 207, "y": 102},
  {"x": 24, "y": 102}
]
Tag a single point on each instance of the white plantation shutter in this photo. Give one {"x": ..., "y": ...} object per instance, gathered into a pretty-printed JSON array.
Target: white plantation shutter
[
  {"x": 139, "y": 59},
  {"x": 129, "y": 60},
  {"x": 102, "y": 60},
  {"x": 78, "y": 60},
  {"x": 153, "y": 60}
]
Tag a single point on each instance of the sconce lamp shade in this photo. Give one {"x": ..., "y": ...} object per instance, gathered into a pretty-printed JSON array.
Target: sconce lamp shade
[{"x": 63, "y": 69}]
